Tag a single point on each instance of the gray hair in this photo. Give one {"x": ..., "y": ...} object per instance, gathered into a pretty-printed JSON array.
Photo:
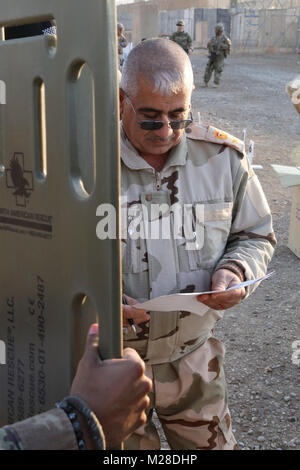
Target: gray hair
[{"x": 162, "y": 63}]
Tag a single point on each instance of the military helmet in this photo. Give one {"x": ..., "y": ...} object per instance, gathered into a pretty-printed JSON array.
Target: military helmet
[
  {"x": 219, "y": 27},
  {"x": 180, "y": 23}
]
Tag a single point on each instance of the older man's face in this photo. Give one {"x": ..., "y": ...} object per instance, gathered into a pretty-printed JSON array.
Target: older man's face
[{"x": 154, "y": 107}]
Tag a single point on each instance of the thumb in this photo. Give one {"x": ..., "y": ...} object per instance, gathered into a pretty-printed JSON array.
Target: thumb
[
  {"x": 219, "y": 280},
  {"x": 220, "y": 284},
  {"x": 91, "y": 344}
]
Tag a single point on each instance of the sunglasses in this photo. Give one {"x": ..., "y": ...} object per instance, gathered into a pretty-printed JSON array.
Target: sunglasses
[{"x": 156, "y": 125}]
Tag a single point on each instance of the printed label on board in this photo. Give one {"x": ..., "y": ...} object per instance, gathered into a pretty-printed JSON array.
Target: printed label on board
[{"x": 26, "y": 367}]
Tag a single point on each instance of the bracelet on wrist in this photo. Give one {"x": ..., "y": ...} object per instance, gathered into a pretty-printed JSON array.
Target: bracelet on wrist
[
  {"x": 94, "y": 426},
  {"x": 72, "y": 415}
]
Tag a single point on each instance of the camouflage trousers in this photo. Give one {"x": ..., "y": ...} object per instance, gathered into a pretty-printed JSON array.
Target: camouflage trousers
[
  {"x": 215, "y": 66},
  {"x": 190, "y": 399}
]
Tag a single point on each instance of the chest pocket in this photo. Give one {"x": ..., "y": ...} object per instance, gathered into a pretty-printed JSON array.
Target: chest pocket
[
  {"x": 134, "y": 249},
  {"x": 213, "y": 230}
]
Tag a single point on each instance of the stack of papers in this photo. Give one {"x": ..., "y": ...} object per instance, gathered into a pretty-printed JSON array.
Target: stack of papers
[{"x": 188, "y": 302}]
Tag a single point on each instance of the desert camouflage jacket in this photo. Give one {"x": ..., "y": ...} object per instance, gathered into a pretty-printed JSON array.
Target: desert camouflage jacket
[
  {"x": 207, "y": 168},
  {"x": 183, "y": 39},
  {"x": 48, "y": 431},
  {"x": 219, "y": 46}
]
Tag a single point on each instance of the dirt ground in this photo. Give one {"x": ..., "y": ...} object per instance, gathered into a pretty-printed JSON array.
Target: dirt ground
[{"x": 263, "y": 382}]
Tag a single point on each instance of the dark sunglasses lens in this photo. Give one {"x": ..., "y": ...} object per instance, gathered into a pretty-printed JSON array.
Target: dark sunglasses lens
[
  {"x": 151, "y": 125},
  {"x": 177, "y": 124},
  {"x": 180, "y": 124}
]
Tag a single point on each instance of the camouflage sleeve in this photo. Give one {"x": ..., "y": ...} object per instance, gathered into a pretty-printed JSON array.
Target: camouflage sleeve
[
  {"x": 251, "y": 241},
  {"x": 51, "y": 430},
  {"x": 189, "y": 41},
  {"x": 123, "y": 41},
  {"x": 9, "y": 439},
  {"x": 172, "y": 38}
]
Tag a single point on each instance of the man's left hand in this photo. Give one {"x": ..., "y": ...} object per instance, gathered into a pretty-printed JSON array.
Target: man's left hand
[{"x": 222, "y": 279}]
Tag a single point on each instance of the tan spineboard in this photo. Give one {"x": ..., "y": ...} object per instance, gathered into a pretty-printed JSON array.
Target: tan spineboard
[{"x": 61, "y": 260}]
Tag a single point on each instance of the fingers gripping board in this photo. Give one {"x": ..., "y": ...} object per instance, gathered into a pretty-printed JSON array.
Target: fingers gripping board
[{"x": 59, "y": 160}]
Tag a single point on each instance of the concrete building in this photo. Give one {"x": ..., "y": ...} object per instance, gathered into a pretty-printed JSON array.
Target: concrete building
[{"x": 253, "y": 25}]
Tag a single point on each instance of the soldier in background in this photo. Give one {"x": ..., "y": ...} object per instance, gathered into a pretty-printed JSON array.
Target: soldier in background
[
  {"x": 219, "y": 49},
  {"x": 182, "y": 38},
  {"x": 122, "y": 42}
]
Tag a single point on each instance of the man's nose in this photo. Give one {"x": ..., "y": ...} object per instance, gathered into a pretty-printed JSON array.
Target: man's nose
[{"x": 166, "y": 130}]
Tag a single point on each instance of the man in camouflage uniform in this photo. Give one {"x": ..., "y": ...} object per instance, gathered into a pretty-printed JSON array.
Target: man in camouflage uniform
[
  {"x": 165, "y": 162},
  {"x": 219, "y": 49},
  {"x": 122, "y": 42},
  {"x": 182, "y": 38}
]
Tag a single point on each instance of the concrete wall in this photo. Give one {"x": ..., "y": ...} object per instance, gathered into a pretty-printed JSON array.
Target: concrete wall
[
  {"x": 183, "y": 4},
  {"x": 250, "y": 30},
  {"x": 142, "y": 18},
  {"x": 268, "y": 4},
  {"x": 265, "y": 30},
  {"x": 168, "y": 20},
  {"x": 167, "y": 5},
  {"x": 145, "y": 22}
]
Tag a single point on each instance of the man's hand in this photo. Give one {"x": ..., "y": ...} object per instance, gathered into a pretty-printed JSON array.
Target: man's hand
[
  {"x": 222, "y": 279},
  {"x": 137, "y": 315},
  {"x": 115, "y": 390}
]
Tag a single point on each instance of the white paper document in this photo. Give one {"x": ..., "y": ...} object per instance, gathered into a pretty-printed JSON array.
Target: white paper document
[{"x": 188, "y": 302}]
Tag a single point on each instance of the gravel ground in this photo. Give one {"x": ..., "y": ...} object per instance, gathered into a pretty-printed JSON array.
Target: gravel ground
[{"x": 263, "y": 382}]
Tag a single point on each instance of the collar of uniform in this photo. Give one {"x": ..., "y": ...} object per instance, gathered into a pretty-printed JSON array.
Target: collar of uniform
[
  {"x": 129, "y": 155},
  {"x": 177, "y": 154},
  {"x": 133, "y": 160}
]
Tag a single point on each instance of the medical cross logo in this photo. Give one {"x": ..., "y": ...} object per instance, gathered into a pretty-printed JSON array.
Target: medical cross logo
[{"x": 19, "y": 179}]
